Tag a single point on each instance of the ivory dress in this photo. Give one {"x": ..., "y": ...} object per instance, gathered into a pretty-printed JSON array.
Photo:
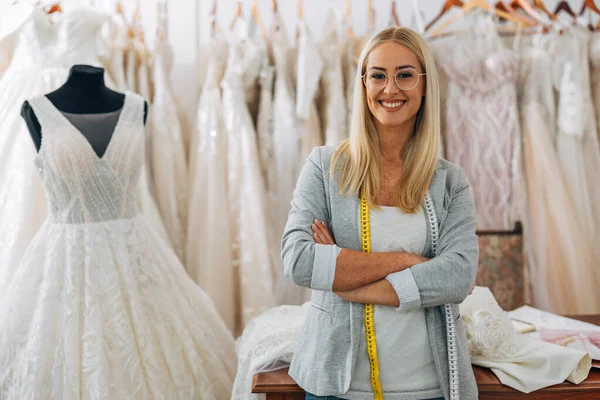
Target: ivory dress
[
  {"x": 44, "y": 50},
  {"x": 167, "y": 158},
  {"x": 209, "y": 237},
  {"x": 100, "y": 306},
  {"x": 247, "y": 207}
]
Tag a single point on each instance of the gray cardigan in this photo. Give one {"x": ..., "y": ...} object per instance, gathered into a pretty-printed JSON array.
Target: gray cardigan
[{"x": 328, "y": 342}]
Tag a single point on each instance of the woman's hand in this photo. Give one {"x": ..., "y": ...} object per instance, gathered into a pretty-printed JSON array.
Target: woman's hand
[{"x": 321, "y": 233}]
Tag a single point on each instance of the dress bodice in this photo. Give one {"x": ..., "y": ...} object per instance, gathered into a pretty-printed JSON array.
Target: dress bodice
[
  {"x": 53, "y": 42},
  {"x": 81, "y": 186}
]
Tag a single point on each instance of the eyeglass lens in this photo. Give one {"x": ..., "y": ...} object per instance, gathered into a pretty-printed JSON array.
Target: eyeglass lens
[{"x": 406, "y": 79}]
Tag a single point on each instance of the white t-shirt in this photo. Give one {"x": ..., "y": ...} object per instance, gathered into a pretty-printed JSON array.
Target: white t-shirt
[{"x": 406, "y": 367}]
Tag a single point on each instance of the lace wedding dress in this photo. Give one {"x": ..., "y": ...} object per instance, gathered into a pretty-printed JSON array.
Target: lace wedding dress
[
  {"x": 44, "y": 50},
  {"x": 247, "y": 208},
  {"x": 100, "y": 307},
  {"x": 332, "y": 99},
  {"x": 482, "y": 126},
  {"x": 209, "y": 237},
  {"x": 560, "y": 255},
  {"x": 167, "y": 158},
  {"x": 577, "y": 136}
]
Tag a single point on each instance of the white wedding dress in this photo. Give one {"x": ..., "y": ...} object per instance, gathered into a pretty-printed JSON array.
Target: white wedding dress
[
  {"x": 44, "y": 50},
  {"x": 167, "y": 158},
  {"x": 247, "y": 208},
  {"x": 333, "y": 105},
  {"x": 209, "y": 237},
  {"x": 100, "y": 307}
]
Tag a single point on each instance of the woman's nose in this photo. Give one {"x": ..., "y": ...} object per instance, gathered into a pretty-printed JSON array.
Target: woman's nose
[{"x": 391, "y": 87}]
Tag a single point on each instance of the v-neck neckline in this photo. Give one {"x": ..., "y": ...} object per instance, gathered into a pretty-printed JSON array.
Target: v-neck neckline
[{"x": 114, "y": 133}]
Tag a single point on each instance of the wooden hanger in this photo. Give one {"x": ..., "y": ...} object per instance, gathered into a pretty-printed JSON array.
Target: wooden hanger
[
  {"x": 256, "y": 16},
  {"x": 54, "y": 8},
  {"x": 395, "y": 14},
  {"x": 348, "y": 12},
  {"x": 300, "y": 10},
  {"x": 564, "y": 6},
  {"x": 507, "y": 7},
  {"x": 539, "y": 4},
  {"x": 274, "y": 5},
  {"x": 212, "y": 16},
  {"x": 589, "y": 5},
  {"x": 528, "y": 8},
  {"x": 371, "y": 15},
  {"x": 470, "y": 6},
  {"x": 445, "y": 8},
  {"x": 238, "y": 14}
]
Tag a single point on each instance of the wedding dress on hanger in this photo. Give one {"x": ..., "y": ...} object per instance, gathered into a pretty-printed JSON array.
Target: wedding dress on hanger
[
  {"x": 332, "y": 100},
  {"x": 486, "y": 143},
  {"x": 45, "y": 47},
  {"x": 100, "y": 307},
  {"x": 308, "y": 74},
  {"x": 167, "y": 156},
  {"x": 209, "y": 237},
  {"x": 560, "y": 255},
  {"x": 114, "y": 60},
  {"x": 577, "y": 136},
  {"x": 251, "y": 251},
  {"x": 285, "y": 150}
]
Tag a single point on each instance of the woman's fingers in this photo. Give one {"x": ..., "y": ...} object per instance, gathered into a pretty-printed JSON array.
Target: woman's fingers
[
  {"x": 319, "y": 238},
  {"x": 320, "y": 228},
  {"x": 325, "y": 231}
]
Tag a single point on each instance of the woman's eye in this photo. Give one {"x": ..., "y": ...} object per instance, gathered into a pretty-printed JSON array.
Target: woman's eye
[
  {"x": 404, "y": 75},
  {"x": 377, "y": 76}
]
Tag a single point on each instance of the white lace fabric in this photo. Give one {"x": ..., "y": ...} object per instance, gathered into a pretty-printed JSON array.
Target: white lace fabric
[
  {"x": 519, "y": 362},
  {"x": 44, "y": 50},
  {"x": 482, "y": 126},
  {"x": 100, "y": 306}
]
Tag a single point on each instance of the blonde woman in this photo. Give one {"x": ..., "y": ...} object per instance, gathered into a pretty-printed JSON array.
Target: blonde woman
[{"x": 383, "y": 230}]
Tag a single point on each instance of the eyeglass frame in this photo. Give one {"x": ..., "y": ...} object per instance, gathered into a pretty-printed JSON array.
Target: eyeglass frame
[{"x": 386, "y": 80}]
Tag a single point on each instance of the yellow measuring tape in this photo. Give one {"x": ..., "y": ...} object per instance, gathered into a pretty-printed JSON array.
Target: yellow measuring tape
[{"x": 365, "y": 233}]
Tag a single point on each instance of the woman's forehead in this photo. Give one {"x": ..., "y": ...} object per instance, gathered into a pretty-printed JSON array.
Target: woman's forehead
[{"x": 391, "y": 55}]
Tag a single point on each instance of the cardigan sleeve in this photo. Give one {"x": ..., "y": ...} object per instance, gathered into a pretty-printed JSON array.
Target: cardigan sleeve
[
  {"x": 305, "y": 262},
  {"x": 448, "y": 277}
]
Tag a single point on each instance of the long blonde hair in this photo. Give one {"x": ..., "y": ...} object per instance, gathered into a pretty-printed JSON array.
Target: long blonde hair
[{"x": 360, "y": 170}]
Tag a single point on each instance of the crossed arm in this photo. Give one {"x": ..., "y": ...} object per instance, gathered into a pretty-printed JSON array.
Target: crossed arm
[{"x": 378, "y": 292}]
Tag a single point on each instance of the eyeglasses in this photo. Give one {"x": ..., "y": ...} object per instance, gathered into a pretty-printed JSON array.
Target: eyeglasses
[{"x": 406, "y": 79}]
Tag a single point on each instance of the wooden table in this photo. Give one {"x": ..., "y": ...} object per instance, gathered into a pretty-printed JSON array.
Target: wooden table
[{"x": 279, "y": 386}]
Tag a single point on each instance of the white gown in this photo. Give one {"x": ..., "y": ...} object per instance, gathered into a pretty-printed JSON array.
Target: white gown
[
  {"x": 245, "y": 186},
  {"x": 560, "y": 255},
  {"x": 285, "y": 151},
  {"x": 308, "y": 74},
  {"x": 168, "y": 166},
  {"x": 44, "y": 51},
  {"x": 333, "y": 105},
  {"x": 100, "y": 307},
  {"x": 577, "y": 136},
  {"x": 209, "y": 236}
]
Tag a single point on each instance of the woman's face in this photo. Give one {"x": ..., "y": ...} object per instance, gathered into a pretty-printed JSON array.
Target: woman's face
[{"x": 392, "y": 106}]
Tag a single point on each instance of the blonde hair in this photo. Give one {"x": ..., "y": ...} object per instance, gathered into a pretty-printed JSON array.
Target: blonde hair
[{"x": 360, "y": 170}]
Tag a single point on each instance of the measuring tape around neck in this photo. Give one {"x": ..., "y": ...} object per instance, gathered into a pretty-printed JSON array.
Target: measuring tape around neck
[{"x": 365, "y": 233}]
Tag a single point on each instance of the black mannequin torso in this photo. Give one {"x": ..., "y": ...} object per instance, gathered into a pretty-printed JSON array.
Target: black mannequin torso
[{"x": 84, "y": 92}]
